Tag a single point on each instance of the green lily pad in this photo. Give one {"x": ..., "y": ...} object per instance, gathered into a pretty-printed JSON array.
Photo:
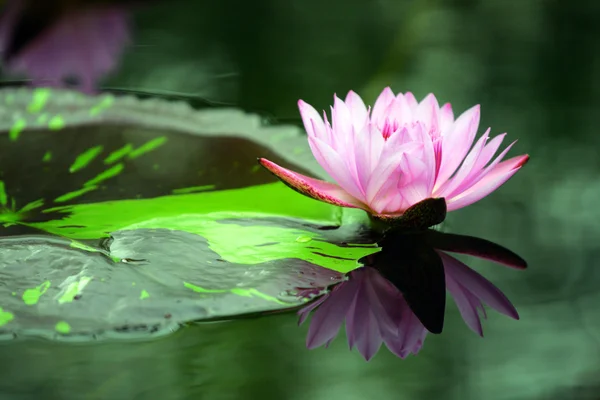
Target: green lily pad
[{"x": 125, "y": 216}]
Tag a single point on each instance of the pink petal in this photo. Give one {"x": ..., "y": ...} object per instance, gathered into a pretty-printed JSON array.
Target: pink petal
[
  {"x": 478, "y": 285},
  {"x": 381, "y": 105},
  {"x": 457, "y": 142},
  {"x": 410, "y": 331},
  {"x": 417, "y": 347},
  {"x": 368, "y": 338},
  {"x": 358, "y": 110},
  {"x": 411, "y": 101},
  {"x": 362, "y": 325},
  {"x": 396, "y": 204},
  {"x": 341, "y": 119},
  {"x": 493, "y": 164},
  {"x": 368, "y": 152},
  {"x": 427, "y": 112},
  {"x": 314, "y": 188},
  {"x": 446, "y": 117},
  {"x": 415, "y": 172},
  {"x": 464, "y": 304},
  {"x": 351, "y": 326},
  {"x": 382, "y": 296},
  {"x": 455, "y": 184},
  {"x": 418, "y": 133},
  {"x": 336, "y": 166},
  {"x": 305, "y": 311},
  {"x": 385, "y": 177},
  {"x": 486, "y": 155},
  {"x": 398, "y": 110},
  {"x": 490, "y": 182},
  {"x": 383, "y": 185},
  {"x": 360, "y": 278},
  {"x": 412, "y": 328},
  {"x": 328, "y": 318},
  {"x": 345, "y": 144},
  {"x": 313, "y": 123}
]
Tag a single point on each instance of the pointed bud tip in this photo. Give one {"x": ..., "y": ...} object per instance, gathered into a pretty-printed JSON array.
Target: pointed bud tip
[{"x": 524, "y": 161}]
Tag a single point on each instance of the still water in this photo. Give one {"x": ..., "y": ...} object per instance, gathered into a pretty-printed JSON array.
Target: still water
[{"x": 533, "y": 66}]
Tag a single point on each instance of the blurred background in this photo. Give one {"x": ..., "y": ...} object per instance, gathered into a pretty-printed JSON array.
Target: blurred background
[{"x": 533, "y": 65}]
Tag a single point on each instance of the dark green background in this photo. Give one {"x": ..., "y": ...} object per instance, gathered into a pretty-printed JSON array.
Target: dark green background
[{"x": 534, "y": 66}]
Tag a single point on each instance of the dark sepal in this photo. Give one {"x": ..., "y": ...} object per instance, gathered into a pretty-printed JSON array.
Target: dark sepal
[
  {"x": 420, "y": 216},
  {"x": 417, "y": 270},
  {"x": 476, "y": 247}
]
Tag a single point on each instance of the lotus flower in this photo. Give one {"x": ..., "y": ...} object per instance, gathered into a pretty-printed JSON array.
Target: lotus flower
[
  {"x": 399, "y": 153},
  {"x": 376, "y": 312},
  {"x": 83, "y": 44}
]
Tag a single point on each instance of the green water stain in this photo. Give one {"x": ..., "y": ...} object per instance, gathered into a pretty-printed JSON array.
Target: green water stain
[
  {"x": 105, "y": 103},
  {"x": 156, "y": 167},
  {"x": 74, "y": 194},
  {"x": 193, "y": 189},
  {"x": 201, "y": 213},
  {"x": 5, "y": 317},
  {"x": 10, "y": 99},
  {"x": 74, "y": 289},
  {"x": 144, "y": 295},
  {"x": 255, "y": 169},
  {"x": 32, "y": 296},
  {"x": 3, "y": 195},
  {"x": 62, "y": 327},
  {"x": 298, "y": 150},
  {"x": 39, "y": 100},
  {"x": 107, "y": 174},
  {"x": 118, "y": 154},
  {"x": 47, "y": 156},
  {"x": 85, "y": 158},
  {"x": 132, "y": 283},
  {"x": 56, "y": 123},
  {"x": 148, "y": 146},
  {"x": 15, "y": 130}
]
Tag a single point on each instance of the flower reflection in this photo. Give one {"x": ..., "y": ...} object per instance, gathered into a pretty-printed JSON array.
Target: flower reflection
[
  {"x": 51, "y": 42},
  {"x": 375, "y": 311},
  {"x": 402, "y": 152}
]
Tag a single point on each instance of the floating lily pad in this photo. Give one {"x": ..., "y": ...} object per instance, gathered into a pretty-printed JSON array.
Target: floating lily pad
[{"x": 119, "y": 215}]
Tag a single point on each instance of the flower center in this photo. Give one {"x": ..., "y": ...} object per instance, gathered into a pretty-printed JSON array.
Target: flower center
[{"x": 389, "y": 127}]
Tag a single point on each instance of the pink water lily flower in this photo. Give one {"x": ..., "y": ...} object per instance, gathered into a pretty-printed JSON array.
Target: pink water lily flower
[
  {"x": 375, "y": 312},
  {"x": 401, "y": 152}
]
